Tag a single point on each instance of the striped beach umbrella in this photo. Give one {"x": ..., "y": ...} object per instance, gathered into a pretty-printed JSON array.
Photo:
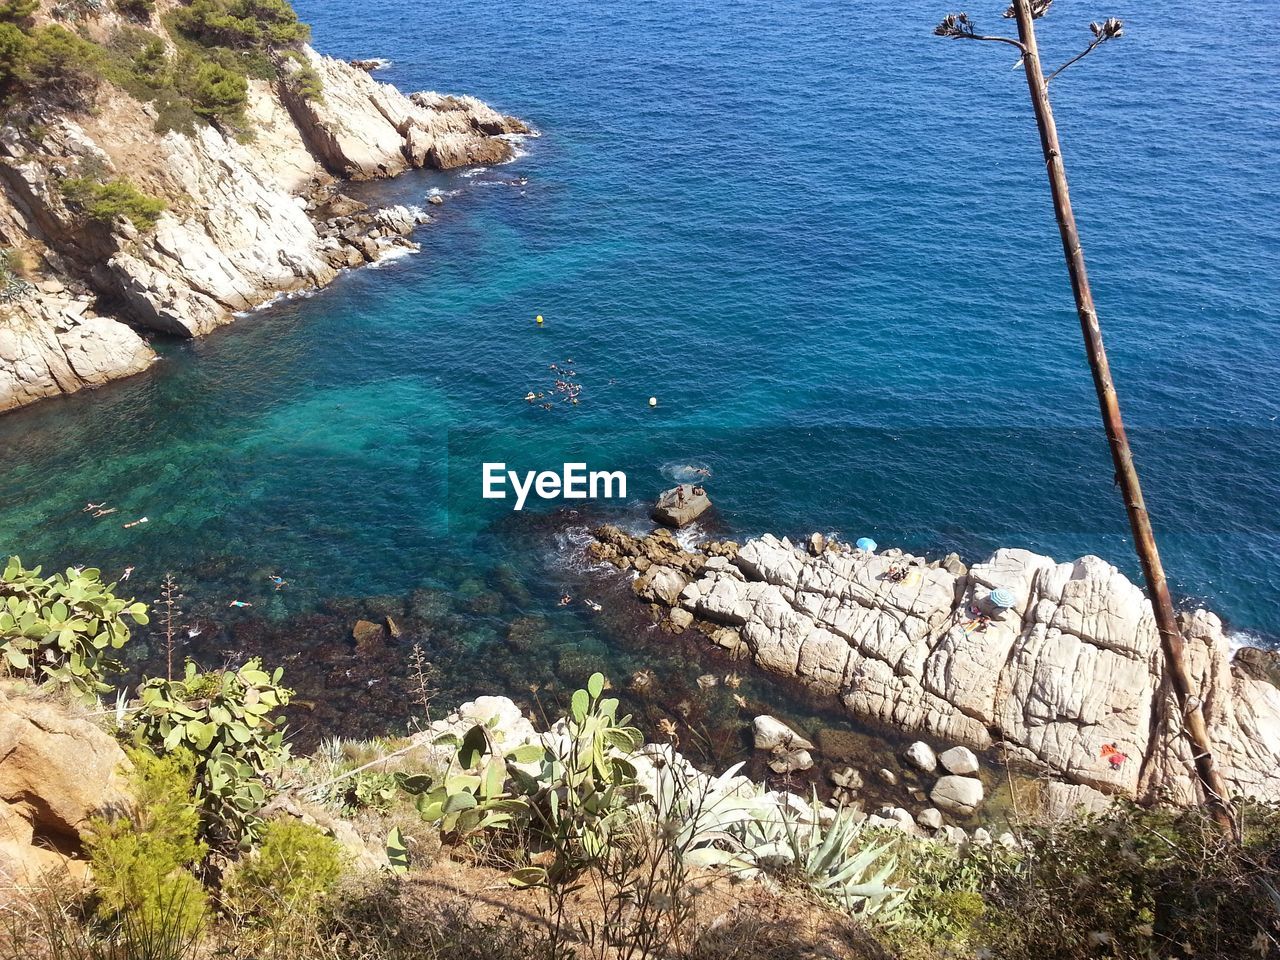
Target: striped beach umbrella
[{"x": 1001, "y": 598}]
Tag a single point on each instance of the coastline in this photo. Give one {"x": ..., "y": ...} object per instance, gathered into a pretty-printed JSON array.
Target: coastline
[
  {"x": 243, "y": 222},
  {"x": 1072, "y": 667}
]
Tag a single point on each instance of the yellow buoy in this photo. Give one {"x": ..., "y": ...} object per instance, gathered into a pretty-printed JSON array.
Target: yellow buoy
[{"x": 539, "y": 319}]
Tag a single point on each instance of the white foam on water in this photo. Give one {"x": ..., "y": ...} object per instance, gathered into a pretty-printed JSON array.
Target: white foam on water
[
  {"x": 474, "y": 172},
  {"x": 571, "y": 548},
  {"x": 439, "y": 192},
  {"x": 281, "y": 297},
  {"x": 682, "y": 471},
  {"x": 516, "y": 139},
  {"x": 1243, "y": 638},
  {"x": 689, "y": 537},
  {"x": 392, "y": 254}
]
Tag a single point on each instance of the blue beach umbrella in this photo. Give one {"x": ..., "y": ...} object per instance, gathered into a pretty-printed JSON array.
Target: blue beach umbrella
[
  {"x": 867, "y": 544},
  {"x": 1001, "y": 598}
]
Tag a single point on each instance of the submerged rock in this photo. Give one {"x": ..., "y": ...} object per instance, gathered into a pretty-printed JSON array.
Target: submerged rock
[
  {"x": 959, "y": 760},
  {"x": 958, "y": 795},
  {"x": 789, "y": 752}
]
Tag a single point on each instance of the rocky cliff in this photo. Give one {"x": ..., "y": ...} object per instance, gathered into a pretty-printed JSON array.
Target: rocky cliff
[
  {"x": 1070, "y": 678},
  {"x": 248, "y": 213}
]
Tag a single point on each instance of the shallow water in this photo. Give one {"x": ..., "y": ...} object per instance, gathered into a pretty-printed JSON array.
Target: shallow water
[{"x": 823, "y": 241}]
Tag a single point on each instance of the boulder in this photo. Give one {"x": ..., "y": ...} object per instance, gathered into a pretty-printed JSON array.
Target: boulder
[
  {"x": 921, "y": 756},
  {"x": 1258, "y": 664},
  {"x": 788, "y": 751},
  {"x": 681, "y": 505},
  {"x": 958, "y": 795},
  {"x": 57, "y": 772},
  {"x": 661, "y": 584},
  {"x": 770, "y": 733},
  {"x": 367, "y": 635},
  {"x": 959, "y": 760},
  {"x": 793, "y": 760},
  {"x": 930, "y": 818},
  {"x": 680, "y": 620},
  {"x": 846, "y": 777}
]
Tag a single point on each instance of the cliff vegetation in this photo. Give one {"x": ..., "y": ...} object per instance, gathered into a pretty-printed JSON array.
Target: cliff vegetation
[
  {"x": 167, "y": 165},
  {"x": 178, "y": 824}
]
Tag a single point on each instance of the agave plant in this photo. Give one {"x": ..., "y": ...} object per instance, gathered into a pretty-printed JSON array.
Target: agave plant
[
  {"x": 709, "y": 817},
  {"x": 836, "y": 859}
]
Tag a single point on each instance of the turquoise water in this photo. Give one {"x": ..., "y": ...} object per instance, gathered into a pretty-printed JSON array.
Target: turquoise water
[{"x": 819, "y": 235}]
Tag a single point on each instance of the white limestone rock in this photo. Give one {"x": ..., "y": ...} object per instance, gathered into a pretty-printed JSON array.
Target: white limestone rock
[
  {"x": 959, "y": 760},
  {"x": 958, "y": 795},
  {"x": 921, "y": 756}
]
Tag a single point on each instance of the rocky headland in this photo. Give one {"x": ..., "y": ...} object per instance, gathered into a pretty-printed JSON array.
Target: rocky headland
[
  {"x": 235, "y": 212},
  {"x": 1068, "y": 680}
]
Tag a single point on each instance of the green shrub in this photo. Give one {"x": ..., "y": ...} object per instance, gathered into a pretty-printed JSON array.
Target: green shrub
[
  {"x": 1138, "y": 883},
  {"x": 241, "y": 24},
  {"x": 137, "y": 9},
  {"x": 174, "y": 112},
  {"x": 63, "y": 628},
  {"x": 229, "y": 720},
  {"x": 219, "y": 94},
  {"x": 106, "y": 201},
  {"x": 290, "y": 873},
  {"x": 944, "y": 904},
  {"x": 18, "y": 12},
  {"x": 142, "y": 858},
  {"x": 13, "y": 55},
  {"x": 301, "y": 77},
  {"x": 61, "y": 66}
]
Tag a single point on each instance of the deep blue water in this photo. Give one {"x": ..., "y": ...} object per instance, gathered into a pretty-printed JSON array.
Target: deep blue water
[{"x": 819, "y": 235}]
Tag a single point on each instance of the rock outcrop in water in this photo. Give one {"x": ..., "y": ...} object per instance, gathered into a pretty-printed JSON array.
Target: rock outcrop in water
[
  {"x": 245, "y": 219},
  {"x": 1071, "y": 679}
]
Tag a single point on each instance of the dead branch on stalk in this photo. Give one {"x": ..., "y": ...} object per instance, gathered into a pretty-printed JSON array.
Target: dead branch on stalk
[
  {"x": 958, "y": 26},
  {"x": 1038, "y": 9},
  {"x": 1110, "y": 29}
]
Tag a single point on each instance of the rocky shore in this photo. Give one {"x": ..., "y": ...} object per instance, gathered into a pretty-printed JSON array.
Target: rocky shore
[
  {"x": 245, "y": 218},
  {"x": 1069, "y": 679}
]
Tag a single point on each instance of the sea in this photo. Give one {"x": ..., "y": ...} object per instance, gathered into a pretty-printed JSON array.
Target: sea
[{"x": 818, "y": 236}]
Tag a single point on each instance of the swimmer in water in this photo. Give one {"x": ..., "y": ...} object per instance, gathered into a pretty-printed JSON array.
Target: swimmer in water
[
  {"x": 90, "y": 507},
  {"x": 239, "y": 603},
  {"x": 278, "y": 581},
  {"x": 593, "y": 605},
  {"x": 128, "y": 572},
  {"x": 565, "y": 600}
]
